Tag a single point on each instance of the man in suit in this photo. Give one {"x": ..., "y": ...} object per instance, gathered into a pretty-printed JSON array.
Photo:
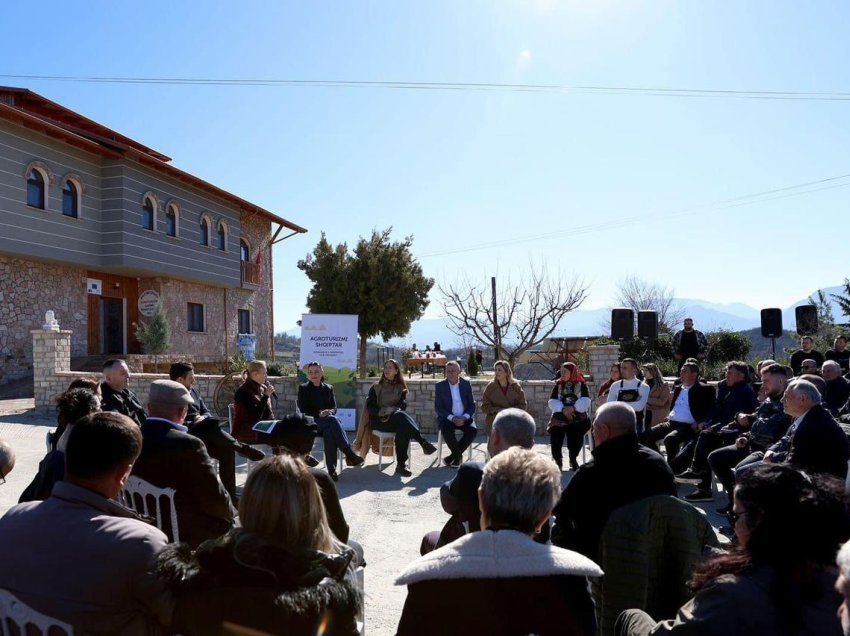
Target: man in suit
[
  {"x": 172, "y": 458},
  {"x": 459, "y": 496},
  {"x": 455, "y": 408},
  {"x": 116, "y": 394}
]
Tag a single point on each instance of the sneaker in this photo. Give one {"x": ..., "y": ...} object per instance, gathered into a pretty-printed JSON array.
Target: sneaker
[
  {"x": 428, "y": 448},
  {"x": 689, "y": 477},
  {"x": 699, "y": 495},
  {"x": 403, "y": 472}
]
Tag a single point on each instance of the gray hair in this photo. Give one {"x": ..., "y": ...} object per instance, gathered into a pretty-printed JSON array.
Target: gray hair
[
  {"x": 516, "y": 427},
  {"x": 831, "y": 364},
  {"x": 519, "y": 488},
  {"x": 843, "y": 560},
  {"x": 453, "y": 363},
  {"x": 804, "y": 387},
  {"x": 7, "y": 457}
]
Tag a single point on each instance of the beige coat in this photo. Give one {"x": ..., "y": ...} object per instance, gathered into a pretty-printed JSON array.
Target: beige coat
[
  {"x": 659, "y": 402},
  {"x": 494, "y": 401}
]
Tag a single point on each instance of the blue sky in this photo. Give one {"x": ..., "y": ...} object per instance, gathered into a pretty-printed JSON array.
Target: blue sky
[{"x": 462, "y": 168}]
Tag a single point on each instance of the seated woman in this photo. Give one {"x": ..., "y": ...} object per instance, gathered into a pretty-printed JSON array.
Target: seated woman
[
  {"x": 614, "y": 375},
  {"x": 779, "y": 578},
  {"x": 569, "y": 403},
  {"x": 316, "y": 399},
  {"x": 252, "y": 403},
  {"x": 282, "y": 572},
  {"x": 386, "y": 404},
  {"x": 503, "y": 392},
  {"x": 658, "y": 404},
  {"x": 499, "y": 580}
]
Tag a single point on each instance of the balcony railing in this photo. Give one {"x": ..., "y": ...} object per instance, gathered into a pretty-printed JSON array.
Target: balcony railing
[{"x": 250, "y": 273}]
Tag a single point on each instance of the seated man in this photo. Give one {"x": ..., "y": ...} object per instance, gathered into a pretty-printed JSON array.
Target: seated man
[
  {"x": 805, "y": 352},
  {"x": 171, "y": 458},
  {"x": 116, "y": 394},
  {"x": 840, "y": 353},
  {"x": 455, "y": 408},
  {"x": 837, "y": 387},
  {"x": 459, "y": 497},
  {"x": 621, "y": 472},
  {"x": 79, "y": 556},
  {"x": 220, "y": 444},
  {"x": 809, "y": 366},
  {"x": 630, "y": 389}
]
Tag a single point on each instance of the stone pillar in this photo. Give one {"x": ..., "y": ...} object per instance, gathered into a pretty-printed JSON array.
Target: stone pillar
[
  {"x": 600, "y": 359},
  {"x": 51, "y": 354}
]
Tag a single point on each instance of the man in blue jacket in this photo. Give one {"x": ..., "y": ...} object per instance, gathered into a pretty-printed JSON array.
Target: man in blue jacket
[{"x": 455, "y": 408}]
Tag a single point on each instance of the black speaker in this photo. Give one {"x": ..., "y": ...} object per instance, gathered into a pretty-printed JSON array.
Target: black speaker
[
  {"x": 771, "y": 322},
  {"x": 622, "y": 324},
  {"x": 647, "y": 324},
  {"x": 807, "y": 319}
]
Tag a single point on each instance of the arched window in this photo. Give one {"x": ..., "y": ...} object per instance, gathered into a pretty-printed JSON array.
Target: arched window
[
  {"x": 171, "y": 220},
  {"x": 70, "y": 199},
  {"x": 222, "y": 237},
  {"x": 205, "y": 231},
  {"x": 244, "y": 251},
  {"x": 35, "y": 189},
  {"x": 148, "y": 214}
]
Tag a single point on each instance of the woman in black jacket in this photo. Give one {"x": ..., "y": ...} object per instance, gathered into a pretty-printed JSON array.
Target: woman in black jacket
[{"x": 316, "y": 399}]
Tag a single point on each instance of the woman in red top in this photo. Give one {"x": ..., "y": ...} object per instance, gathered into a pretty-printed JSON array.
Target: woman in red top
[{"x": 252, "y": 403}]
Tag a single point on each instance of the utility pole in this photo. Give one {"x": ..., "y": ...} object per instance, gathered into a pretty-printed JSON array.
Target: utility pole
[{"x": 496, "y": 336}]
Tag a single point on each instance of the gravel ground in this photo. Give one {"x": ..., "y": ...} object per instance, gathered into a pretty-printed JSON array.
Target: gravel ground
[{"x": 387, "y": 515}]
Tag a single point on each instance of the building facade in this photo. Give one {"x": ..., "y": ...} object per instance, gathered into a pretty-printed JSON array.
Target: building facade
[{"x": 101, "y": 230}]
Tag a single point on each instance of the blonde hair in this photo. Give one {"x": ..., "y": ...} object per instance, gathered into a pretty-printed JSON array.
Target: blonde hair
[
  {"x": 507, "y": 368},
  {"x": 281, "y": 501},
  {"x": 256, "y": 365}
]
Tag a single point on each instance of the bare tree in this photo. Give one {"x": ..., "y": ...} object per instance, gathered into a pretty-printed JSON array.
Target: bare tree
[
  {"x": 526, "y": 313},
  {"x": 640, "y": 295}
]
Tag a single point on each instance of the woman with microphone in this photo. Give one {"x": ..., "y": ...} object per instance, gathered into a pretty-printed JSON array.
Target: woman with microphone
[{"x": 252, "y": 402}]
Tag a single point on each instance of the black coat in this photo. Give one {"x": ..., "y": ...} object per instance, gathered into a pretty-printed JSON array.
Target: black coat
[
  {"x": 837, "y": 393},
  {"x": 124, "y": 402},
  {"x": 700, "y": 401},
  {"x": 251, "y": 582},
  {"x": 174, "y": 459},
  {"x": 312, "y": 399},
  {"x": 621, "y": 472},
  {"x": 739, "y": 398},
  {"x": 819, "y": 445}
]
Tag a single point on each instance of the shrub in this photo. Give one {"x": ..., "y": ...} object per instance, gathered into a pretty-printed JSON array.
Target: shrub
[{"x": 472, "y": 364}]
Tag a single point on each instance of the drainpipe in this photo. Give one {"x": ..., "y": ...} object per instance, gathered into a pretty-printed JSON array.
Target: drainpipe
[{"x": 225, "y": 323}]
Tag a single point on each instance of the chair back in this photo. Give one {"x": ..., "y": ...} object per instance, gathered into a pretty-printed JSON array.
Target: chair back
[
  {"x": 13, "y": 612},
  {"x": 147, "y": 499}
]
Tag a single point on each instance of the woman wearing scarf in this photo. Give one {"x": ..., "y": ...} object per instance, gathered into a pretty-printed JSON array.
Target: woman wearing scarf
[{"x": 569, "y": 403}]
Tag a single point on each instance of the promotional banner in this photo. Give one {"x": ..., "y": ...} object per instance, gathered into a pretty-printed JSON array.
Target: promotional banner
[{"x": 331, "y": 340}]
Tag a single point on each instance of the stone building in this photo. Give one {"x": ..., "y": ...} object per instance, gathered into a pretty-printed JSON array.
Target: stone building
[{"x": 101, "y": 229}]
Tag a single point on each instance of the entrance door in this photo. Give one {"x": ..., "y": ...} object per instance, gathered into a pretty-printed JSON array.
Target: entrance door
[{"x": 112, "y": 326}]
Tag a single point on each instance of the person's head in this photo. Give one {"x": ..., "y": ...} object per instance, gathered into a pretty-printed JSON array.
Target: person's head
[
  {"x": 842, "y": 586},
  {"x": 315, "y": 373},
  {"x": 840, "y": 343},
  {"x": 7, "y": 459},
  {"x": 76, "y": 403},
  {"x": 763, "y": 364},
  {"x": 613, "y": 419},
  {"x": 830, "y": 370},
  {"x": 629, "y": 368},
  {"x": 806, "y": 343},
  {"x": 819, "y": 382},
  {"x": 169, "y": 400},
  {"x": 452, "y": 372},
  {"x": 392, "y": 374},
  {"x": 100, "y": 452},
  {"x": 87, "y": 382},
  {"x": 503, "y": 372},
  {"x": 569, "y": 372},
  {"x": 651, "y": 374},
  {"x": 116, "y": 374},
  {"x": 800, "y": 396},
  {"x": 258, "y": 371},
  {"x": 512, "y": 427},
  {"x": 689, "y": 324},
  {"x": 736, "y": 372},
  {"x": 182, "y": 372},
  {"x": 281, "y": 501},
  {"x": 774, "y": 380},
  {"x": 689, "y": 373},
  {"x": 518, "y": 490},
  {"x": 809, "y": 366}
]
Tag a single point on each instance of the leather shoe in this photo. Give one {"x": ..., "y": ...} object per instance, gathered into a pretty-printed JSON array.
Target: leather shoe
[
  {"x": 246, "y": 450},
  {"x": 353, "y": 459},
  {"x": 449, "y": 460},
  {"x": 428, "y": 448},
  {"x": 403, "y": 472},
  {"x": 333, "y": 475},
  {"x": 311, "y": 461}
]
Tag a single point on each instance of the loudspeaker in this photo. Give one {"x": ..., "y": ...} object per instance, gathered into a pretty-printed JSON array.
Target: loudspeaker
[
  {"x": 807, "y": 319},
  {"x": 622, "y": 324},
  {"x": 647, "y": 324},
  {"x": 771, "y": 322}
]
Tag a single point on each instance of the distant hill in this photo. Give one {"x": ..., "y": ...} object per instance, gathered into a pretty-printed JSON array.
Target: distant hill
[{"x": 760, "y": 346}]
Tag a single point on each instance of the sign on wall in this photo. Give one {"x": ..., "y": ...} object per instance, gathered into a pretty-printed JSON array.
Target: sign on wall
[
  {"x": 331, "y": 340},
  {"x": 149, "y": 302},
  {"x": 94, "y": 286}
]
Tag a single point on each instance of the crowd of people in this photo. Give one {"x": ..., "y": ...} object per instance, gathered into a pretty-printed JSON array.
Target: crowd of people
[{"x": 277, "y": 555}]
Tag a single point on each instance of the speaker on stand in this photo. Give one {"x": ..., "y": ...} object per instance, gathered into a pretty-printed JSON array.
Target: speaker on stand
[{"x": 771, "y": 327}]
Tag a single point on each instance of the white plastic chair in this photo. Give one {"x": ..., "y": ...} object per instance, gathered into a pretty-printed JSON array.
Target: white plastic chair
[
  {"x": 440, "y": 447},
  {"x": 359, "y": 574},
  {"x": 135, "y": 495},
  {"x": 382, "y": 435},
  {"x": 13, "y": 611}
]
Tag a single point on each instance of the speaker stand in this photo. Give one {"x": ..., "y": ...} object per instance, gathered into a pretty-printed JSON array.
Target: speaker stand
[{"x": 773, "y": 347}]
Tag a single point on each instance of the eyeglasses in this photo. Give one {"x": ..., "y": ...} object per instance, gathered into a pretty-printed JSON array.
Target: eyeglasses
[{"x": 734, "y": 516}]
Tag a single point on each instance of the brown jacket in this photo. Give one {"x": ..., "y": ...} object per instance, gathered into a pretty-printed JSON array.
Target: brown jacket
[
  {"x": 494, "y": 401},
  {"x": 659, "y": 402}
]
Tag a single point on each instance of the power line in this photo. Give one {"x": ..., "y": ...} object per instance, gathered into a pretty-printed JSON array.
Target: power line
[
  {"x": 644, "y": 91},
  {"x": 747, "y": 199}
]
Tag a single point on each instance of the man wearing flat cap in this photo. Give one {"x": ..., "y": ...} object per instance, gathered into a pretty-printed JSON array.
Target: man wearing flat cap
[{"x": 172, "y": 458}]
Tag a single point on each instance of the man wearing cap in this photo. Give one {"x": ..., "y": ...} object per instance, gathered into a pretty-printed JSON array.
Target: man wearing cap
[{"x": 172, "y": 458}]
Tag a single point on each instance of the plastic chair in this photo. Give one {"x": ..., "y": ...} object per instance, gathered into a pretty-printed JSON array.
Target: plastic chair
[
  {"x": 135, "y": 495},
  {"x": 440, "y": 447},
  {"x": 382, "y": 435},
  {"x": 15, "y": 612},
  {"x": 359, "y": 575},
  {"x": 48, "y": 440}
]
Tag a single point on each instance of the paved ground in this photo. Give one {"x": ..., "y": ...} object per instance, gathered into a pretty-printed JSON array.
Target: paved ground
[{"x": 388, "y": 516}]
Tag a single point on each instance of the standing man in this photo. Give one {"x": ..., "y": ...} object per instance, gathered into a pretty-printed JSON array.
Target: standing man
[
  {"x": 805, "y": 352},
  {"x": 689, "y": 343},
  {"x": 116, "y": 395},
  {"x": 630, "y": 389},
  {"x": 840, "y": 354},
  {"x": 455, "y": 408}
]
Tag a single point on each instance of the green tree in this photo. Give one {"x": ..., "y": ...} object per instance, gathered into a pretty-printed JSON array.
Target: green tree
[
  {"x": 843, "y": 300},
  {"x": 154, "y": 336},
  {"x": 380, "y": 281},
  {"x": 472, "y": 364}
]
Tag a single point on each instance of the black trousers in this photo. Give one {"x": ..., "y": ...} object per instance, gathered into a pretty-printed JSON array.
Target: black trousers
[
  {"x": 221, "y": 446},
  {"x": 574, "y": 433},
  {"x": 405, "y": 429},
  {"x": 334, "y": 438},
  {"x": 674, "y": 434},
  {"x": 706, "y": 443},
  {"x": 725, "y": 460},
  {"x": 468, "y": 432}
]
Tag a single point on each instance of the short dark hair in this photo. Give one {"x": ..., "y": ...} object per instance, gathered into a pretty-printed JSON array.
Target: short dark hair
[
  {"x": 776, "y": 369},
  {"x": 100, "y": 443},
  {"x": 76, "y": 403},
  {"x": 180, "y": 370},
  {"x": 809, "y": 338},
  {"x": 841, "y": 337},
  {"x": 630, "y": 360},
  {"x": 740, "y": 367},
  {"x": 92, "y": 384},
  {"x": 692, "y": 365},
  {"x": 113, "y": 362}
]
